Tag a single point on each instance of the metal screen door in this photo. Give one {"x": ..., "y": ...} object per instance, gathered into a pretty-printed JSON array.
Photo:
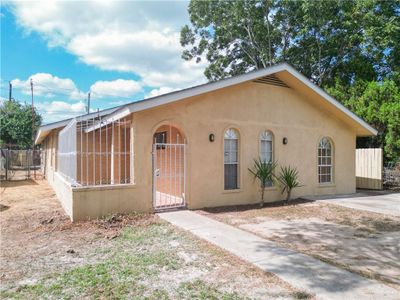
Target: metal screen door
[{"x": 169, "y": 180}]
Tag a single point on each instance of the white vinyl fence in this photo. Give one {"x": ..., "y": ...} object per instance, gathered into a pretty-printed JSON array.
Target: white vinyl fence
[{"x": 369, "y": 168}]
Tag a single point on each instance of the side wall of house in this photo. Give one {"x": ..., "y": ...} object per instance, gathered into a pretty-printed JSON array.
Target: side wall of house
[
  {"x": 61, "y": 187},
  {"x": 250, "y": 108}
]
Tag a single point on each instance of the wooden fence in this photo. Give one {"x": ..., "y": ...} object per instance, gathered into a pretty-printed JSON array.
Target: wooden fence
[{"x": 369, "y": 168}]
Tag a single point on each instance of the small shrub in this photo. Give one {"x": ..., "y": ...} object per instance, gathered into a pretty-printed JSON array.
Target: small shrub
[
  {"x": 264, "y": 172},
  {"x": 288, "y": 179}
]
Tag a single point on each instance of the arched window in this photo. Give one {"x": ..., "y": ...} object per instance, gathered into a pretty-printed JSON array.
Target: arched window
[
  {"x": 266, "y": 150},
  {"x": 325, "y": 163},
  {"x": 266, "y": 153},
  {"x": 231, "y": 159}
]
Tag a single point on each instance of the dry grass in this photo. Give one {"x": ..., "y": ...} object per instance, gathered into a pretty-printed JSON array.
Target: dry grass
[
  {"x": 362, "y": 242},
  {"x": 44, "y": 255},
  {"x": 303, "y": 209}
]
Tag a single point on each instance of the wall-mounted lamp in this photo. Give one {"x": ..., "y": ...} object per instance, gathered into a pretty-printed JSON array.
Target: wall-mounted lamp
[
  {"x": 211, "y": 137},
  {"x": 285, "y": 140}
]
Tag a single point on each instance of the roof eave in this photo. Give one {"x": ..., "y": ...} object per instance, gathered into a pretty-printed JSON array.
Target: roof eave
[{"x": 372, "y": 131}]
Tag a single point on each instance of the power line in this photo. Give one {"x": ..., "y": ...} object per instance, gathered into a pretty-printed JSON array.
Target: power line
[{"x": 57, "y": 91}]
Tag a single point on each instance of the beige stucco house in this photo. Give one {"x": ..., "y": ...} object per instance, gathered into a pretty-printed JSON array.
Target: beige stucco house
[{"x": 192, "y": 148}]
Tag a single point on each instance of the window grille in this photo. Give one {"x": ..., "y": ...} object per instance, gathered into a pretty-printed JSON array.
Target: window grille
[
  {"x": 266, "y": 146},
  {"x": 266, "y": 149},
  {"x": 325, "y": 164},
  {"x": 231, "y": 159}
]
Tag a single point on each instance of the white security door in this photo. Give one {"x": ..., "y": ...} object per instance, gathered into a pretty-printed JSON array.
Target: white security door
[{"x": 169, "y": 178}]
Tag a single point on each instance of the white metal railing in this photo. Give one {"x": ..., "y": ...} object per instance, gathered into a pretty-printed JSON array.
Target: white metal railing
[
  {"x": 66, "y": 152},
  {"x": 94, "y": 152}
]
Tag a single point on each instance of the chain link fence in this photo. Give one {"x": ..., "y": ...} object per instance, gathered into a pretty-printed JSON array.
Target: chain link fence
[
  {"x": 20, "y": 164},
  {"x": 391, "y": 176}
]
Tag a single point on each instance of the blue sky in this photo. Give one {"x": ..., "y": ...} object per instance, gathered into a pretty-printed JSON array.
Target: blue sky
[{"x": 120, "y": 51}]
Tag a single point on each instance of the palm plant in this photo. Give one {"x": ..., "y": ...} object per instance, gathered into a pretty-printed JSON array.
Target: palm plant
[
  {"x": 264, "y": 172},
  {"x": 288, "y": 179}
]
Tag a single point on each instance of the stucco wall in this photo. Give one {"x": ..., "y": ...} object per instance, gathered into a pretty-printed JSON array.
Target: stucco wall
[
  {"x": 60, "y": 186},
  {"x": 250, "y": 108},
  {"x": 94, "y": 202}
]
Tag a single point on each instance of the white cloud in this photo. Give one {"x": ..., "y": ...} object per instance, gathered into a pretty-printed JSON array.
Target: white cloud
[
  {"x": 138, "y": 37},
  {"x": 52, "y": 111},
  {"x": 45, "y": 84},
  {"x": 160, "y": 91},
  {"x": 2, "y": 100},
  {"x": 116, "y": 88}
]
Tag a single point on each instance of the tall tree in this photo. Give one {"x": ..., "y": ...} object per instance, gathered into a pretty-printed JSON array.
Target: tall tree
[
  {"x": 349, "y": 47},
  {"x": 16, "y": 124},
  {"x": 379, "y": 104},
  {"x": 325, "y": 40}
]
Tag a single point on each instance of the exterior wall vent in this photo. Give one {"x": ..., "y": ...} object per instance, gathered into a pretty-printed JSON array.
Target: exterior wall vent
[{"x": 272, "y": 80}]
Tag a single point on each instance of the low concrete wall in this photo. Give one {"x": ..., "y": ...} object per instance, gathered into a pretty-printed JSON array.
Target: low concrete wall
[
  {"x": 95, "y": 202},
  {"x": 83, "y": 203},
  {"x": 63, "y": 191}
]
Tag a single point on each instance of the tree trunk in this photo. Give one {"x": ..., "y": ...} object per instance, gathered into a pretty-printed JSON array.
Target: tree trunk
[
  {"x": 262, "y": 197},
  {"x": 288, "y": 196}
]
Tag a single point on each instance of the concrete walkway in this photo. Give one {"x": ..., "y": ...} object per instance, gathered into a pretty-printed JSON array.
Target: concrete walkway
[
  {"x": 378, "y": 202},
  {"x": 299, "y": 270}
]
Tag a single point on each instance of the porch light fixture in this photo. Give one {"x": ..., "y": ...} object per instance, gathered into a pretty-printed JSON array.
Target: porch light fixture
[
  {"x": 211, "y": 137},
  {"x": 285, "y": 140}
]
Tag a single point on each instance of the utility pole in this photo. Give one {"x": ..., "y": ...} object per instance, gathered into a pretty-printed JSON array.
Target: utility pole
[
  {"x": 88, "y": 103},
  {"x": 10, "y": 91},
  {"x": 33, "y": 130}
]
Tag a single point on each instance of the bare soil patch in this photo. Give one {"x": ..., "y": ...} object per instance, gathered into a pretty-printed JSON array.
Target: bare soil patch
[
  {"x": 362, "y": 242},
  {"x": 44, "y": 255}
]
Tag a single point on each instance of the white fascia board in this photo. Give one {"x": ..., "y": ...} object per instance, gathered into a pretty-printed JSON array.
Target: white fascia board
[
  {"x": 44, "y": 130},
  {"x": 127, "y": 109},
  {"x": 39, "y": 134},
  {"x": 330, "y": 99},
  {"x": 117, "y": 115}
]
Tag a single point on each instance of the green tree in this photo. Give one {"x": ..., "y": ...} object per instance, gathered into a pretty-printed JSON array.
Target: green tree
[
  {"x": 378, "y": 103},
  {"x": 349, "y": 47},
  {"x": 325, "y": 40},
  {"x": 16, "y": 124}
]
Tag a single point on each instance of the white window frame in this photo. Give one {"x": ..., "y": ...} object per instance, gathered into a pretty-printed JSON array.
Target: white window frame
[
  {"x": 325, "y": 144},
  {"x": 232, "y": 134},
  {"x": 266, "y": 136}
]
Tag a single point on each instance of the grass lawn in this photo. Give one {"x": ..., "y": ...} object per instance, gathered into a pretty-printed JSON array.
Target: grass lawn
[{"x": 44, "y": 256}]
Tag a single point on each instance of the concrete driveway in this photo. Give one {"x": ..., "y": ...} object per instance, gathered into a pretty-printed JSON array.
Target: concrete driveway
[{"x": 374, "y": 201}]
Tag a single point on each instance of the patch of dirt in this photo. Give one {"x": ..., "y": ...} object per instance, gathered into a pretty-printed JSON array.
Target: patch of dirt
[
  {"x": 38, "y": 240},
  {"x": 302, "y": 209},
  {"x": 362, "y": 242},
  {"x": 36, "y": 233}
]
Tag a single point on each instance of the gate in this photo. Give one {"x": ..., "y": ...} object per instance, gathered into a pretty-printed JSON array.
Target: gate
[
  {"x": 20, "y": 164},
  {"x": 169, "y": 180}
]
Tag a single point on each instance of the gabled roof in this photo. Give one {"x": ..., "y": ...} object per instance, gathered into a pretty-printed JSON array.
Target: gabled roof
[{"x": 282, "y": 68}]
